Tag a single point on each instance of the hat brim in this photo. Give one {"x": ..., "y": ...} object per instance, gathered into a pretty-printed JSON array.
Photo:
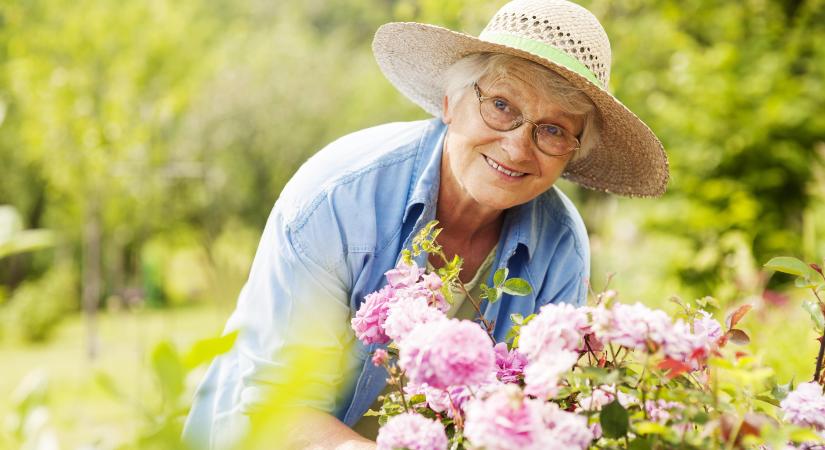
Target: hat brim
[{"x": 629, "y": 159}]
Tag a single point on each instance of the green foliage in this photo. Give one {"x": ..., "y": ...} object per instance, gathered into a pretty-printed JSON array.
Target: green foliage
[
  {"x": 163, "y": 422},
  {"x": 733, "y": 89},
  {"x": 14, "y": 239},
  {"x": 38, "y": 306},
  {"x": 504, "y": 285},
  {"x": 28, "y": 425},
  {"x": 614, "y": 420}
]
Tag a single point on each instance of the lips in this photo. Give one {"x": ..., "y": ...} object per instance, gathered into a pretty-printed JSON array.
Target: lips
[{"x": 510, "y": 173}]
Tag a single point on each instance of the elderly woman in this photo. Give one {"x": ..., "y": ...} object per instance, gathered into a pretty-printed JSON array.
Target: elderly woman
[{"x": 518, "y": 107}]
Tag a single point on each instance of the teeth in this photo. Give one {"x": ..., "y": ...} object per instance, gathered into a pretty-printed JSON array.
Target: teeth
[{"x": 495, "y": 165}]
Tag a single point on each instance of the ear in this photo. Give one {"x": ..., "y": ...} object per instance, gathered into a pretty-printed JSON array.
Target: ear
[{"x": 446, "y": 114}]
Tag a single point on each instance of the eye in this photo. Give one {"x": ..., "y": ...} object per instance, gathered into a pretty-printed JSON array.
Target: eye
[
  {"x": 551, "y": 130},
  {"x": 501, "y": 105}
]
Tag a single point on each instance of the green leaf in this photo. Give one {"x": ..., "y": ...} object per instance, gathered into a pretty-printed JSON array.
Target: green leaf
[
  {"x": 614, "y": 420},
  {"x": 491, "y": 294},
  {"x": 517, "y": 286},
  {"x": 645, "y": 443},
  {"x": 768, "y": 399},
  {"x": 708, "y": 301},
  {"x": 511, "y": 335},
  {"x": 168, "y": 370},
  {"x": 804, "y": 435},
  {"x": 650, "y": 428},
  {"x": 700, "y": 418},
  {"x": 500, "y": 276},
  {"x": 204, "y": 350},
  {"x": 790, "y": 265},
  {"x": 517, "y": 318},
  {"x": 780, "y": 391},
  {"x": 804, "y": 283},
  {"x": 815, "y": 311},
  {"x": 105, "y": 381}
]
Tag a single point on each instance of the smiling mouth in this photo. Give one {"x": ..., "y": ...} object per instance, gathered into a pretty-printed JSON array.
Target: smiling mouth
[{"x": 498, "y": 167}]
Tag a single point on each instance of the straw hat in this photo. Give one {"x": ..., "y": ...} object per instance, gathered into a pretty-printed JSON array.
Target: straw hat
[{"x": 562, "y": 36}]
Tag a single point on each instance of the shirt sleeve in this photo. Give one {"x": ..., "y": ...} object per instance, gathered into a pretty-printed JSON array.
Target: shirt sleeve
[{"x": 295, "y": 345}]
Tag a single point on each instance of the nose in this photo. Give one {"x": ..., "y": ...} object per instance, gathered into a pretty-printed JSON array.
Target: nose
[{"x": 518, "y": 143}]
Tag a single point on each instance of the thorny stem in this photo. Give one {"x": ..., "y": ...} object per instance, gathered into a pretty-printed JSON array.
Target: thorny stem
[
  {"x": 590, "y": 352},
  {"x": 613, "y": 354},
  {"x": 626, "y": 353},
  {"x": 821, "y": 343},
  {"x": 641, "y": 376},
  {"x": 399, "y": 383}
]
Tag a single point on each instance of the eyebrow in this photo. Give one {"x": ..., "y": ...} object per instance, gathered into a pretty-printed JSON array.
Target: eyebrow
[{"x": 568, "y": 117}]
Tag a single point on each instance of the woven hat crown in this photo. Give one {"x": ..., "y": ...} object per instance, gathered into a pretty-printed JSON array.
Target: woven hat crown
[{"x": 560, "y": 24}]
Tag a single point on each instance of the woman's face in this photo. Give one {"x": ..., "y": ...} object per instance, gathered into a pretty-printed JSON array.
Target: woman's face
[{"x": 502, "y": 169}]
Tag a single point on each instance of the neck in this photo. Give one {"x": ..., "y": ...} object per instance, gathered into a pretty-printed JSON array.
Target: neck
[{"x": 460, "y": 215}]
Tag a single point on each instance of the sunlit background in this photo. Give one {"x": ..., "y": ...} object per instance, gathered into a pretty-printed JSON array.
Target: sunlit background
[{"x": 143, "y": 144}]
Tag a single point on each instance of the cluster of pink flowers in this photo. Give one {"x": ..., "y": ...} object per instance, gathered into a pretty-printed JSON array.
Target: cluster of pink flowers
[
  {"x": 450, "y": 400},
  {"x": 632, "y": 326},
  {"x": 444, "y": 353},
  {"x": 541, "y": 376},
  {"x": 413, "y": 432},
  {"x": 707, "y": 328},
  {"x": 403, "y": 316},
  {"x": 603, "y": 395},
  {"x": 641, "y": 328},
  {"x": 555, "y": 327},
  {"x": 507, "y": 419},
  {"x": 509, "y": 364},
  {"x": 662, "y": 410},
  {"x": 418, "y": 299},
  {"x": 460, "y": 371},
  {"x": 805, "y": 406},
  {"x": 551, "y": 343}
]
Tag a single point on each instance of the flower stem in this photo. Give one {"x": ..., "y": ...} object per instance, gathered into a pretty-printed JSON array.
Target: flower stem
[
  {"x": 819, "y": 357},
  {"x": 821, "y": 344},
  {"x": 399, "y": 383},
  {"x": 476, "y": 305}
]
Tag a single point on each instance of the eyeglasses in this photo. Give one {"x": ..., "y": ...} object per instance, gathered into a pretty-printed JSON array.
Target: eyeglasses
[{"x": 500, "y": 115}]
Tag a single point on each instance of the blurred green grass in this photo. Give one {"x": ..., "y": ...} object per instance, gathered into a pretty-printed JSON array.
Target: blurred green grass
[{"x": 82, "y": 412}]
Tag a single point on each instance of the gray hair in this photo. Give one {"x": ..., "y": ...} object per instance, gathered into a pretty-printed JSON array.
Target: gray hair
[{"x": 470, "y": 69}]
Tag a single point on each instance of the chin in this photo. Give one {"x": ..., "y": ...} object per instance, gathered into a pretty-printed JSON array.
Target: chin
[{"x": 495, "y": 200}]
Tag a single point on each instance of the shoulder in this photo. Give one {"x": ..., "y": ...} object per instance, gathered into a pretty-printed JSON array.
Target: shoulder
[
  {"x": 350, "y": 159},
  {"x": 353, "y": 192}
]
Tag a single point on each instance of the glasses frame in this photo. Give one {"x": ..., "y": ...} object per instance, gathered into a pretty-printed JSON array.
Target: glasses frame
[{"x": 521, "y": 121}]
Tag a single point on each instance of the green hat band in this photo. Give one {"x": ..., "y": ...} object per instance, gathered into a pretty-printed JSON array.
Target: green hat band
[{"x": 544, "y": 50}]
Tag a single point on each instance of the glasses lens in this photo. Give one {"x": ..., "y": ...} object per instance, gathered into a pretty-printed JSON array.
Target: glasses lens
[
  {"x": 499, "y": 114},
  {"x": 554, "y": 140}
]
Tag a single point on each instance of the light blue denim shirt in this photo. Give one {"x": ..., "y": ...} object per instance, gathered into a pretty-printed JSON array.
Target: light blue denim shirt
[{"x": 339, "y": 224}]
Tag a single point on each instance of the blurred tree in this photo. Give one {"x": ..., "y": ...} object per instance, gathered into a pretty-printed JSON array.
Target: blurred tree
[
  {"x": 735, "y": 90},
  {"x": 95, "y": 87},
  {"x": 120, "y": 122}
]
